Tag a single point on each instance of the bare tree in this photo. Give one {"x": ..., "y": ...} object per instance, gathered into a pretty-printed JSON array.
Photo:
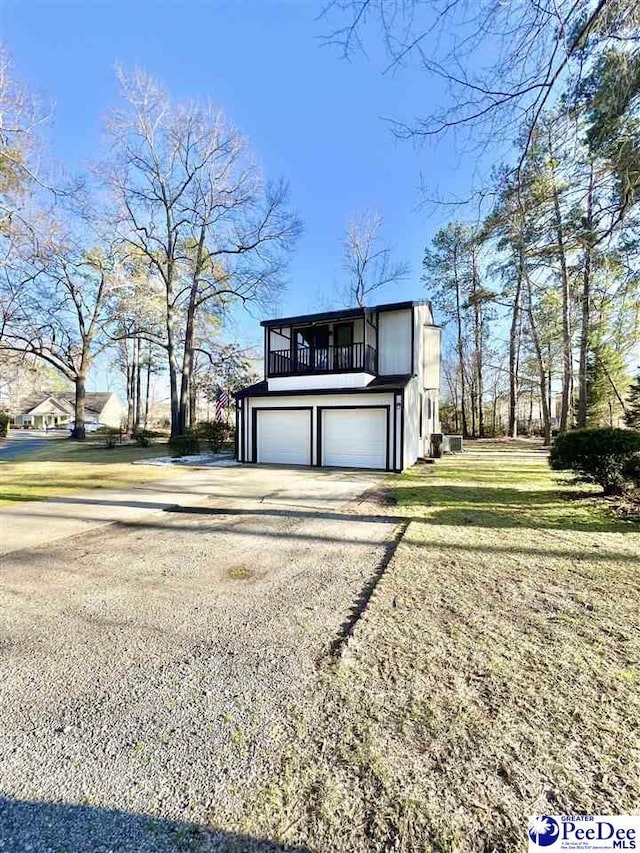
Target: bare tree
[
  {"x": 367, "y": 262},
  {"x": 192, "y": 202},
  {"x": 19, "y": 143},
  {"x": 533, "y": 45},
  {"x": 57, "y": 287}
]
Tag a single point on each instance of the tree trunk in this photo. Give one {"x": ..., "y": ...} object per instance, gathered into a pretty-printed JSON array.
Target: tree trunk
[
  {"x": 147, "y": 390},
  {"x": 193, "y": 394},
  {"x": 187, "y": 369},
  {"x": 542, "y": 373},
  {"x": 79, "y": 432},
  {"x": 173, "y": 378},
  {"x": 472, "y": 395},
  {"x": 586, "y": 304},
  {"x": 549, "y": 385},
  {"x": 189, "y": 337},
  {"x": 129, "y": 371},
  {"x": 478, "y": 337},
  {"x": 512, "y": 429},
  {"x": 566, "y": 309},
  {"x": 460, "y": 349},
  {"x": 138, "y": 369}
]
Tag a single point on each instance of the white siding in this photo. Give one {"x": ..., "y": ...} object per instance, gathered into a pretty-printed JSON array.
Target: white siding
[
  {"x": 358, "y": 331},
  {"x": 320, "y": 381},
  {"x": 412, "y": 443},
  {"x": 431, "y": 357},
  {"x": 394, "y": 342},
  {"x": 113, "y": 413},
  {"x": 280, "y": 341},
  {"x": 315, "y": 401}
]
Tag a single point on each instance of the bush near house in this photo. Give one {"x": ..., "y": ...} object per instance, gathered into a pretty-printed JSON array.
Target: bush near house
[
  {"x": 4, "y": 424},
  {"x": 185, "y": 445},
  {"x": 631, "y": 470},
  {"x": 142, "y": 438},
  {"x": 599, "y": 456},
  {"x": 217, "y": 434},
  {"x": 112, "y": 436}
]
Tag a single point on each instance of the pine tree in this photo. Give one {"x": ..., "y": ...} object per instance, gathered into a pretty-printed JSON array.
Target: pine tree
[{"x": 632, "y": 414}]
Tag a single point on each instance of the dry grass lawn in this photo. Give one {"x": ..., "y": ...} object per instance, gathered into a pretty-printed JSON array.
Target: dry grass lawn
[
  {"x": 495, "y": 674},
  {"x": 64, "y": 467}
]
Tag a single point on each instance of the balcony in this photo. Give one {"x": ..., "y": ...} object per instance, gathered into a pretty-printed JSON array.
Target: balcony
[{"x": 350, "y": 358}]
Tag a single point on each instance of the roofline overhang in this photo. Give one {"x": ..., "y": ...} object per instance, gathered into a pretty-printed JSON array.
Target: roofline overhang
[
  {"x": 371, "y": 388},
  {"x": 345, "y": 313}
]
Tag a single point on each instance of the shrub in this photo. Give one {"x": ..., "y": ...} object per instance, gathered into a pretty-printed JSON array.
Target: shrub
[
  {"x": 596, "y": 455},
  {"x": 142, "y": 438},
  {"x": 111, "y": 436},
  {"x": 185, "y": 445},
  {"x": 4, "y": 424},
  {"x": 631, "y": 470},
  {"x": 217, "y": 434}
]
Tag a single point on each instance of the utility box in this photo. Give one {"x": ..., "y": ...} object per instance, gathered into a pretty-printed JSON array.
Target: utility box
[
  {"x": 452, "y": 443},
  {"x": 436, "y": 445}
]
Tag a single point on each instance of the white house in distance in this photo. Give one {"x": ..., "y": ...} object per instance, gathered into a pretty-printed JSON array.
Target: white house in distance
[
  {"x": 56, "y": 411},
  {"x": 357, "y": 388}
]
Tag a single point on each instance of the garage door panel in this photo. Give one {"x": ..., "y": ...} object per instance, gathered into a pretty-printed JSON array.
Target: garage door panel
[
  {"x": 354, "y": 438},
  {"x": 283, "y": 437}
]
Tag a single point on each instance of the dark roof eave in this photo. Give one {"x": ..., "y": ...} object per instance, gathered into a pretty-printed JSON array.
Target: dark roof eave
[
  {"x": 378, "y": 385},
  {"x": 345, "y": 313}
]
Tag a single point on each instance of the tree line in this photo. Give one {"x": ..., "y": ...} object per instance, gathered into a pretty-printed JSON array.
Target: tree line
[
  {"x": 553, "y": 268},
  {"x": 144, "y": 254},
  {"x": 540, "y": 291}
]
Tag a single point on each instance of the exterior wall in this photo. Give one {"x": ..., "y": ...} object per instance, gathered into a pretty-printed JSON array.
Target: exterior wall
[
  {"x": 45, "y": 414},
  {"x": 113, "y": 413},
  {"x": 358, "y": 331},
  {"x": 249, "y": 404},
  {"x": 430, "y": 357},
  {"x": 320, "y": 380},
  {"x": 279, "y": 341},
  {"x": 59, "y": 420},
  {"x": 394, "y": 342},
  {"x": 407, "y": 343},
  {"x": 413, "y": 444}
]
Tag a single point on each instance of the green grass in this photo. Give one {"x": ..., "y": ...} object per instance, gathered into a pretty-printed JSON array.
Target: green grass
[
  {"x": 493, "y": 676},
  {"x": 509, "y": 490},
  {"x": 64, "y": 467}
]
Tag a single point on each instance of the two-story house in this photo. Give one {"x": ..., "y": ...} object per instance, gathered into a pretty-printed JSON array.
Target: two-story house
[{"x": 357, "y": 388}]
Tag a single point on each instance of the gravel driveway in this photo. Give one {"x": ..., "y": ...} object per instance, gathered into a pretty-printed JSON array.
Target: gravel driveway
[{"x": 146, "y": 667}]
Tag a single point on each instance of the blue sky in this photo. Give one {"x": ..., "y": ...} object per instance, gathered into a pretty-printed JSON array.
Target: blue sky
[{"x": 312, "y": 118}]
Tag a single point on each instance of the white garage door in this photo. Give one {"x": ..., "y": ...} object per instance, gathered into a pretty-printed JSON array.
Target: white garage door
[
  {"x": 354, "y": 438},
  {"x": 284, "y": 436}
]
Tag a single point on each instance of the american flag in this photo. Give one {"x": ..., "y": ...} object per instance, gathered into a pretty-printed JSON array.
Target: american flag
[{"x": 221, "y": 401}]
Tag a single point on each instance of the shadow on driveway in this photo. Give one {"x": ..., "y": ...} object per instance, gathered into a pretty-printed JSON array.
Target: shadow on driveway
[{"x": 59, "y": 828}]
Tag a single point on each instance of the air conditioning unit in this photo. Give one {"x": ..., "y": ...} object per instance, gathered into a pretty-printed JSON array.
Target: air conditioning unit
[{"x": 452, "y": 444}]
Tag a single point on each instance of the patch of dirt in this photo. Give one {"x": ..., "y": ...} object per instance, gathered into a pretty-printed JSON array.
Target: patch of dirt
[{"x": 383, "y": 496}]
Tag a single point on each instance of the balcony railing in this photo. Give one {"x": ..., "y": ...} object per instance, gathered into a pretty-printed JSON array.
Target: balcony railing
[{"x": 343, "y": 359}]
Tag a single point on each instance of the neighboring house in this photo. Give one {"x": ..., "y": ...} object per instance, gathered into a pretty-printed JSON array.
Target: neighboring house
[
  {"x": 57, "y": 411},
  {"x": 357, "y": 388}
]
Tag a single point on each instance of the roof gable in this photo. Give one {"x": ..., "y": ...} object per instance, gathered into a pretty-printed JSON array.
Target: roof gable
[
  {"x": 95, "y": 401},
  {"x": 48, "y": 405}
]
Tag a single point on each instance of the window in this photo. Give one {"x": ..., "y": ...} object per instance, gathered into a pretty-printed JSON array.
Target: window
[
  {"x": 343, "y": 345},
  {"x": 421, "y": 408},
  {"x": 311, "y": 347}
]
